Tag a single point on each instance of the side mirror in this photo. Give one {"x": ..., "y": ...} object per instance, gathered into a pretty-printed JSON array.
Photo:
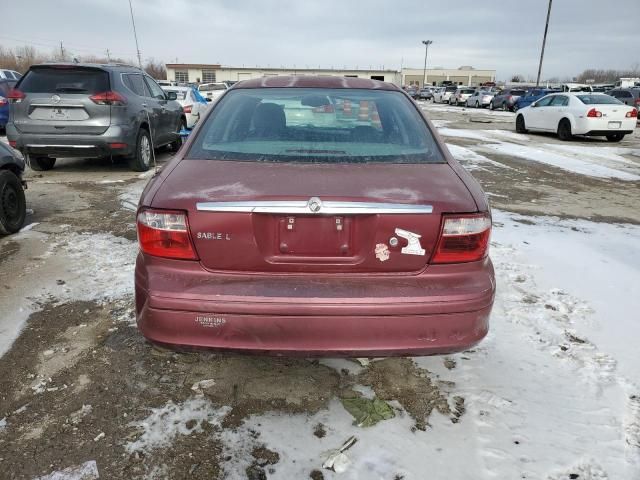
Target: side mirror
[
  {"x": 534, "y": 105},
  {"x": 208, "y": 99},
  {"x": 172, "y": 95}
]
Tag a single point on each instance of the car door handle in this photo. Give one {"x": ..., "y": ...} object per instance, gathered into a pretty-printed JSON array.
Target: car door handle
[{"x": 144, "y": 105}]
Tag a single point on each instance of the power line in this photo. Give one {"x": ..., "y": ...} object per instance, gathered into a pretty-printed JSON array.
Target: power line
[{"x": 56, "y": 44}]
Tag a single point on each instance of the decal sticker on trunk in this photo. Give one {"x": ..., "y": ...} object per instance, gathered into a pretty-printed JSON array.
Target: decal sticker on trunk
[
  {"x": 413, "y": 246},
  {"x": 382, "y": 252},
  {"x": 209, "y": 321}
]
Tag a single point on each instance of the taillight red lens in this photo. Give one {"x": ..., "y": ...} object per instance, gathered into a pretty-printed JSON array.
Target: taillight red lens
[
  {"x": 632, "y": 114},
  {"x": 464, "y": 238},
  {"x": 187, "y": 108},
  {"x": 165, "y": 233},
  {"x": 593, "y": 113},
  {"x": 15, "y": 96},
  {"x": 13, "y": 143},
  {"x": 108, "y": 98}
]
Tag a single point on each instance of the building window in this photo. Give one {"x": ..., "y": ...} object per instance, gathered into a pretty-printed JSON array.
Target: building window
[
  {"x": 208, "y": 76},
  {"x": 182, "y": 75}
]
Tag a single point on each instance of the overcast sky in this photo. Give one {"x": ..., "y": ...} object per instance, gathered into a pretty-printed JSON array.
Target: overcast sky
[{"x": 505, "y": 35}]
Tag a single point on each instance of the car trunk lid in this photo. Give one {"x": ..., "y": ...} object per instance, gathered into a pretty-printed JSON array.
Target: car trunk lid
[
  {"x": 57, "y": 101},
  {"x": 326, "y": 218}
]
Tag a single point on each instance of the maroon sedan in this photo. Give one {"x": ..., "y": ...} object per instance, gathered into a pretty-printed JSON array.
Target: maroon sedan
[{"x": 319, "y": 216}]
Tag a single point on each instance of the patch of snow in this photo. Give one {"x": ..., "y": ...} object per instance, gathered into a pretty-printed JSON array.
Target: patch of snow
[
  {"x": 107, "y": 182},
  {"x": 3, "y": 423},
  {"x": 130, "y": 195},
  {"x": 465, "y": 133},
  {"x": 472, "y": 160},
  {"x": 164, "y": 424},
  {"x": 26, "y": 228},
  {"x": 564, "y": 162},
  {"x": 86, "y": 471}
]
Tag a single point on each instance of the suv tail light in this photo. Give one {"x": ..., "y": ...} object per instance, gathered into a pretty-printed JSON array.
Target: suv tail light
[
  {"x": 632, "y": 114},
  {"x": 593, "y": 113},
  {"x": 637, "y": 101},
  {"x": 165, "y": 233},
  {"x": 464, "y": 238},
  {"x": 108, "y": 98},
  {"x": 15, "y": 96},
  {"x": 187, "y": 108}
]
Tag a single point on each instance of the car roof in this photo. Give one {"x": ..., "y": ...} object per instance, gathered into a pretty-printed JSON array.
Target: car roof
[
  {"x": 120, "y": 67},
  {"x": 320, "y": 81},
  {"x": 179, "y": 89}
]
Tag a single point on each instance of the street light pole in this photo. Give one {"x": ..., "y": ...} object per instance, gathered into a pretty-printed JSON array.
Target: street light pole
[
  {"x": 544, "y": 41},
  {"x": 135, "y": 35},
  {"x": 426, "y": 44}
]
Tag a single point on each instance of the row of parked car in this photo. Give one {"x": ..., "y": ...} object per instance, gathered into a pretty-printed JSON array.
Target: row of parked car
[{"x": 509, "y": 99}]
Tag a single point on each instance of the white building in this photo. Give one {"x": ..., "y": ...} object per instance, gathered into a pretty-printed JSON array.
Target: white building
[{"x": 207, "y": 73}]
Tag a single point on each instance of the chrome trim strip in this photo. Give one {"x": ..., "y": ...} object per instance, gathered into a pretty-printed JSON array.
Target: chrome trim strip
[
  {"x": 56, "y": 105},
  {"x": 301, "y": 207},
  {"x": 36, "y": 145}
]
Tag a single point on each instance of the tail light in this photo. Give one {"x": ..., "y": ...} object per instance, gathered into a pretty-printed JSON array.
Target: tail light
[
  {"x": 464, "y": 238},
  {"x": 593, "y": 113},
  {"x": 13, "y": 143},
  {"x": 187, "y": 108},
  {"x": 632, "y": 113},
  {"x": 15, "y": 96},
  {"x": 165, "y": 233},
  {"x": 108, "y": 98},
  {"x": 3, "y": 101},
  {"x": 637, "y": 101}
]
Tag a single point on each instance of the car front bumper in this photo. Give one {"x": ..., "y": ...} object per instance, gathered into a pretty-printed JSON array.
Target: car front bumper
[{"x": 181, "y": 304}]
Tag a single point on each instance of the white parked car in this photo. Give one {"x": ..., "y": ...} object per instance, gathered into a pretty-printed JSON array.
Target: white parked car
[
  {"x": 212, "y": 91},
  {"x": 444, "y": 95},
  {"x": 461, "y": 95},
  {"x": 193, "y": 104},
  {"x": 10, "y": 74},
  {"x": 568, "y": 114},
  {"x": 480, "y": 99}
]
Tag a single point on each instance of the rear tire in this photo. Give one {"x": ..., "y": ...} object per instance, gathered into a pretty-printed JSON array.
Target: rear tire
[
  {"x": 504, "y": 107},
  {"x": 40, "y": 164},
  {"x": 13, "y": 206},
  {"x": 564, "y": 130},
  {"x": 491, "y": 106},
  {"x": 615, "y": 137},
  {"x": 141, "y": 159},
  {"x": 477, "y": 104},
  {"x": 520, "y": 125}
]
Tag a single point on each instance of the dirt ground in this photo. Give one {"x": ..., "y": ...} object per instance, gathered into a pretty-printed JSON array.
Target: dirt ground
[{"x": 79, "y": 379}]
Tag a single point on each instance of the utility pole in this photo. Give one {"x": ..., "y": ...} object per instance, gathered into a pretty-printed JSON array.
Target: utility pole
[
  {"x": 135, "y": 36},
  {"x": 108, "y": 56},
  {"x": 544, "y": 41},
  {"x": 426, "y": 51},
  {"x": 61, "y": 52}
]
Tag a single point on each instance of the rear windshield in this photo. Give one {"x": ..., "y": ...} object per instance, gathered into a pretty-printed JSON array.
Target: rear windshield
[
  {"x": 469, "y": 90},
  {"x": 598, "y": 100},
  {"x": 210, "y": 88},
  {"x": 65, "y": 80},
  {"x": 517, "y": 92},
  {"x": 311, "y": 125},
  {"x": 451, "y": 89}
]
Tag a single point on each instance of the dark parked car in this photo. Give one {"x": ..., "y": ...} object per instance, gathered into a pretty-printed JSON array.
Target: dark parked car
[
  {"x": 413, "y": 92},
  {"x": 628, "y": 96},
  {"x": 12, "y": 202},
  {"x": 506, "y": 99},
  {"x": 91, "y": 110},
  {"x": 532, "y": 96},
  {"x": 318, "y": 216},
  {"x": 5, "y": 87}
]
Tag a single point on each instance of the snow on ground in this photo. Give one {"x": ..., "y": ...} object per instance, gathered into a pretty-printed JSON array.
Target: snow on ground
[
  {"x": 472, "y": 160},
  {"x": 576, "y": 164},
  {"x": 552, "y": 391}
]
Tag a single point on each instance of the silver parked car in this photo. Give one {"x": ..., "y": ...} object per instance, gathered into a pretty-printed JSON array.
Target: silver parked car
[
  {"x": 480, "y": 99},
  {"x": 91, "y": 110},
  {"x": 461, "y": 95}
]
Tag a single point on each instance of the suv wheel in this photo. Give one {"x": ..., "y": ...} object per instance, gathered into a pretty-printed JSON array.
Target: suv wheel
[
  {"x": 141, "y": 158},
  {"x": 505, "y": 107},
  {"x": 520, "y": 125},
  {"x": 40, "y": 164},
  {"x": 175, "y": 145},
  {"x": 490, "y": 105},
  {"x": 13, "y": 207}
]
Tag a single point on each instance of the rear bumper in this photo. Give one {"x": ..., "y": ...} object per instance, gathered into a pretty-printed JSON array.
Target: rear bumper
[
  {"x": 179, "y": 303},
  {"x": 74, "y": 145}
]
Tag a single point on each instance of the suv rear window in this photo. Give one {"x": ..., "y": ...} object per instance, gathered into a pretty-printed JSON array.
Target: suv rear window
[
  {"x": 315, "y": 125},
  {"x": 517, "y": 92},
  {"x": 64, "y": 80}
]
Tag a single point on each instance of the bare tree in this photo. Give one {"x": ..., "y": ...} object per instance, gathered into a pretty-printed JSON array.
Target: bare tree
[{"x": 156, "y": 69}]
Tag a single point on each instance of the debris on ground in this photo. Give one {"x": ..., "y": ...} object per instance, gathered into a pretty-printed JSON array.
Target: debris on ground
[
  {"x": 86, "y": 471},
  {"x": 202, "y": 385},
  {"x": 337, "y": 460},
  {"x": 367, "y": 411},
  {"x": 319, "y": 430}
]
